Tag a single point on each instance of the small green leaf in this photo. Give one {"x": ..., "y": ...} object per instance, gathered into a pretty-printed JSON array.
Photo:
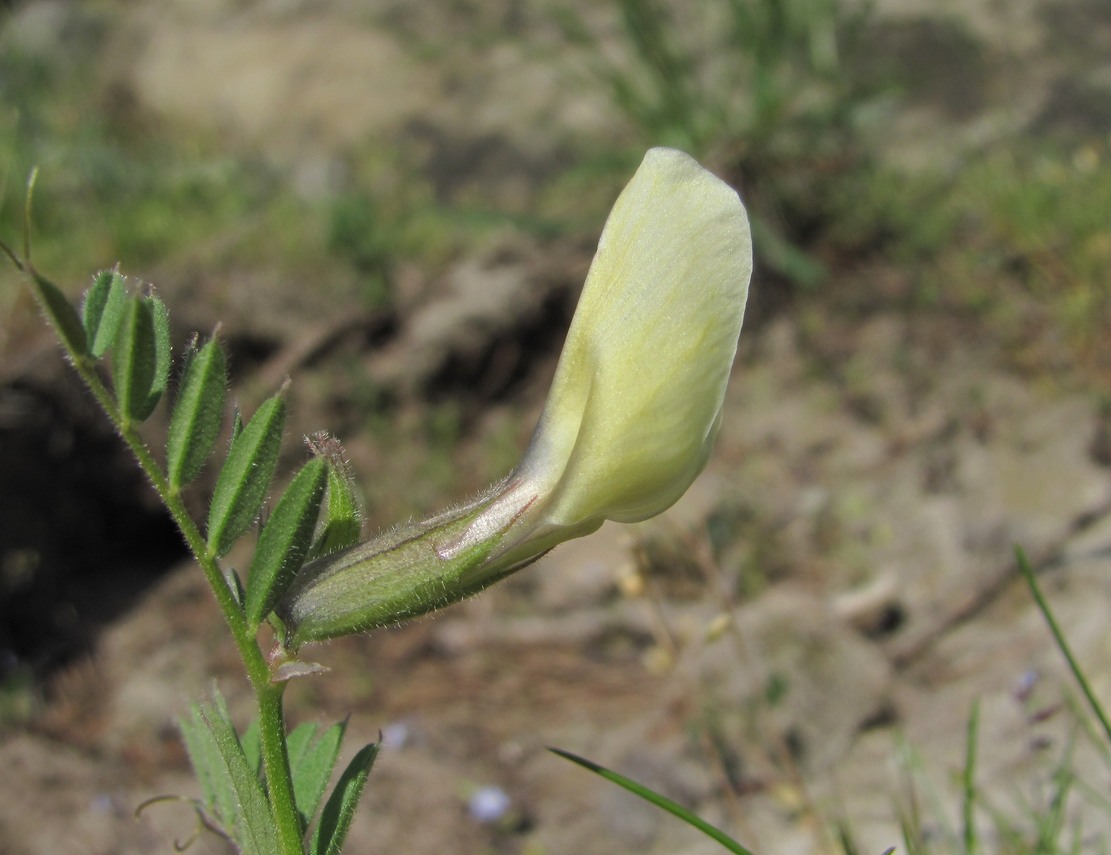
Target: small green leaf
[
  {"x": 103, "y": 311},
  {"x": 245, "y": 477},
  {"x": 217, "y": 792},
  {"x": 311, "y": 761},
  {"x": 335, "y": 820},
  {"x": 160, "y": 315},
  {"x": 253, "y": 826},
  {"x": 285, "y": 540},
  {"x": 61, "y": 314},
  {"x": 251, "y": 741},
  {"x": 223, "y": 765},
  {"x": 341, "y": 521},
  {"x": 197, "y": 415},
  {"x": 298, "y": 743},
  {"x": 134, "y": 360}
]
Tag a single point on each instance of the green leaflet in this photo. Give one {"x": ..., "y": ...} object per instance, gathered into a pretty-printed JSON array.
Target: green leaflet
[
  {"x": 217, "y": 793},
  {"x": 285, "y": 540},
  {"x": 250, "y": 740},
  {"x": 141, "y": 357},
  {"x": 61, "y": 314},
  {"x": 197, "y": 415},
  {"x": 162, "y": 350},
  {"x": 311, "y": 761},
  {"x": 245, "y": 477},
  {"x": 103, "y": 311},
  {"x": 233, "y": 793},
  {"x": 335, "y": 820}
]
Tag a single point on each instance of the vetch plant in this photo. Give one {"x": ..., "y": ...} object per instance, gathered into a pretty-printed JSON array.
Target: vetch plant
[{"x": 630, "y": 422}]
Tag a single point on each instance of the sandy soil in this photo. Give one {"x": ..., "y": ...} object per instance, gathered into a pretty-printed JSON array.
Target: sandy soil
[{"x": 818, "y": 664}]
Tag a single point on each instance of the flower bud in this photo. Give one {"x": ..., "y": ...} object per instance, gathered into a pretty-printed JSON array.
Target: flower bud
[{"x": 629, "y": 422}]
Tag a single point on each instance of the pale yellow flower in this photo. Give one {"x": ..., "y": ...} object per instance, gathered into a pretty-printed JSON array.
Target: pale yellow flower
[{"x": 628, "y": 425}]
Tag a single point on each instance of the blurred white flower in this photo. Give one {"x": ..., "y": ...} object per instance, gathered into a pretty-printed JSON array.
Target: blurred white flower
[{"x": 488, "y": 804}]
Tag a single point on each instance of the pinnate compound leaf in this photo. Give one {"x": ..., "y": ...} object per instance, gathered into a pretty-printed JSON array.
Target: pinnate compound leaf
[
  {"x": 335, "y": 820},
  {"x": 61, "y": 314},
  {"x": 245, "y": 477},
  {"x": 311, "y": 761},
  {"x": 103, "y": 311},
  {"x": 285, "y": 540},
  {"x": 197, "y": 415}
]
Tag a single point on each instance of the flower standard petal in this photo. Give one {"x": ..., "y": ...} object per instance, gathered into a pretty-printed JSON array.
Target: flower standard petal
[{"x": 636, "y": 400}]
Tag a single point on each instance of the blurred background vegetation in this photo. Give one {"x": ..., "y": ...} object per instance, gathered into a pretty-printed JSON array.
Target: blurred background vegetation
[
  {"x": 809, "y": 107},
  {"x": 791, "y": 100},
  {"x": 890, "y": 166}
]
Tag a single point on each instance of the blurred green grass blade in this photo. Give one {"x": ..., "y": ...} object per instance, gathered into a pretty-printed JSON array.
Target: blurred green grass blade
[
  {"x": 245, "y": 477},
  {"x": 656, "y": 799},
  {"x": 335, "y": 820},
  {"x": 103, "y": 311},
  {"x": 968, "y": 780},
  {"x": 285, "y": 540},
  {"x": 784, "y": 258},
  {"x": 197, "y": 414},
  {"x": 134, "y": 360},
  {"x": 311, "y": 761},
  {"x": 1062, "y": 645}
]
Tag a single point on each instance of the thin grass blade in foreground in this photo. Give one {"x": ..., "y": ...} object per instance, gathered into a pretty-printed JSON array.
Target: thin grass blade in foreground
[
  {"x": 968, "y": 780},
  {"x": 1062, "y": 645},
  {"x": 662, "y": 802}
]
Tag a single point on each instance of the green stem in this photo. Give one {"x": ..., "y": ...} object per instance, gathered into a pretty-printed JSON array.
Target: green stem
[
  {"x": 275, "y": 759},
  {"x": 268, "y": 695}
]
